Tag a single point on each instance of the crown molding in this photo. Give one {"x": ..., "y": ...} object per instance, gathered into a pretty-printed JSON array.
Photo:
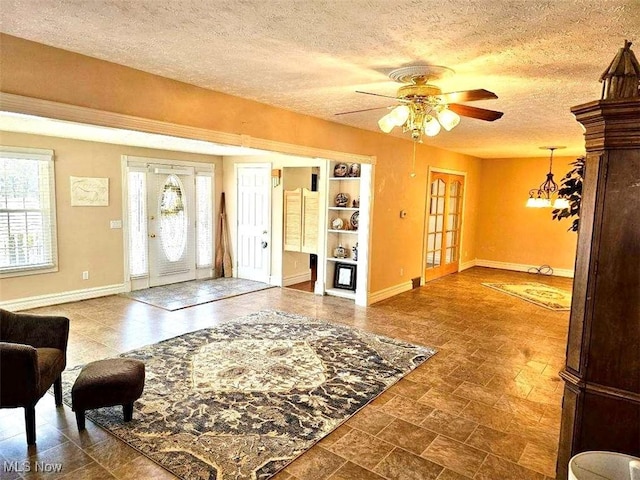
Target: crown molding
[{"x": 73, "y": 113}]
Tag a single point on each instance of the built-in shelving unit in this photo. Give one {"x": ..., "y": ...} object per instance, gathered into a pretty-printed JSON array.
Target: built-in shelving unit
[{"x": 347, "y": 277}]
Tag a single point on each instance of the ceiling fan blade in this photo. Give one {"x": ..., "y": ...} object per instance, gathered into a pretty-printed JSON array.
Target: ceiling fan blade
[
  {"x": 474, "y": 112},
  {"x": 364, "y": 110},
  {"x": 468, "y": 95},
  {"x": 385, "y": 96}
]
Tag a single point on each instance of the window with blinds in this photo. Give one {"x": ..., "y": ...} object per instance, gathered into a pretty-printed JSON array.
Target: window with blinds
[
  {"x": 204, "y": 220},
  {"x": 27, "y": 212},
  {"x": 138, "y": 261}
]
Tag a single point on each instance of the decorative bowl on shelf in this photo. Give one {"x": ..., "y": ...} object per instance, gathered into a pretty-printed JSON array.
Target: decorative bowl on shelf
[
  {"x": 342, "y": 199},
  {"x": 354, "y": 170},
  {"x": 354, "y": 220},
  {"x": 340, "y": 170},
  {"x": 337, "y": 224}
]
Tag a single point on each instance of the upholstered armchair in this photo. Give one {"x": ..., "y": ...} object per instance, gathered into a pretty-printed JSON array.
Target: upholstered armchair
[{"x": 33, "y": 354}]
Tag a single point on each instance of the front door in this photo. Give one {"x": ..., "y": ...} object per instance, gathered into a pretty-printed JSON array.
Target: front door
[
  {"x": 171, "y": 226},
  {"x": 444, "y": 222},
  {"x": 254, "y": 222}
]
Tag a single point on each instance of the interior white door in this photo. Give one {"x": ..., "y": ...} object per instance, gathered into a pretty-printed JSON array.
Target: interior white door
[
  {"x": 253, "y": 222},
  {"x": 171, "y": 225}
]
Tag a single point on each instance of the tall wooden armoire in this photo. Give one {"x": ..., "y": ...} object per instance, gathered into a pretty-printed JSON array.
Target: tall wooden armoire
[{"x": 601, "y": 405}]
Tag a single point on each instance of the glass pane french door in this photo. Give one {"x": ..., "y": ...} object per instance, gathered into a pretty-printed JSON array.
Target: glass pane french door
[{"x": 444, "y": 221}]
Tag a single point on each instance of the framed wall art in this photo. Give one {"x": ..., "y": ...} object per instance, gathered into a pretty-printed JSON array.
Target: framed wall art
[
  {"x": 345, "y": 276},
  {"x": 89, "y": 192}
]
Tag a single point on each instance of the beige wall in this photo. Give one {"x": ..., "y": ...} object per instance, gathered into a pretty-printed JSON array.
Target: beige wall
[
  {"x": 85, "y": 241},
  {"x": 512, "y": 233}
]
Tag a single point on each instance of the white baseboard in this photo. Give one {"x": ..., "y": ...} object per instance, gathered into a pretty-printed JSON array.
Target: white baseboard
[
  {"x": 465, "y": 265},
  {"x": 519, "y": 267},
  {"x": 389, "y": 292},
  {"x": 299, "y": 278},
  {"x": 63, "y": 297}
]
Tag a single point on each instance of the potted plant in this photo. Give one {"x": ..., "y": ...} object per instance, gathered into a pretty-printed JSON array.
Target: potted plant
[{"x": 571, "y": 190}]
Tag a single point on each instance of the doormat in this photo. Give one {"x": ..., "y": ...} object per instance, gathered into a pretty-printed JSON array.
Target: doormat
[
  {"x": 244, "y": 399},
  {"x": 196, "y": 292},
  {"x": 543, "y": 295}
]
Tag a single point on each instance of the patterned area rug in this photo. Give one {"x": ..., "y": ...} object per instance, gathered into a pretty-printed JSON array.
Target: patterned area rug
[
  {"x": 187, "y": 294},
  {"x": 538, "y": 293},
  {"x": 242, "y": 400}
]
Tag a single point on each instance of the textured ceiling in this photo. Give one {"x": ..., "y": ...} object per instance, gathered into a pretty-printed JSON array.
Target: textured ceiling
[{"x": 309, "y": 56}]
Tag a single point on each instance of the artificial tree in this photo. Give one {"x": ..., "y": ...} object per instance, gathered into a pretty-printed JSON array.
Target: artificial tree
[{"x": 571, "y": 189}]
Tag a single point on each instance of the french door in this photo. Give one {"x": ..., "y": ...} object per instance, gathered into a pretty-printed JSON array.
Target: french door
[
  {"x": 253, "y": 222},
  {"x": 169, "y": 223},
  {"x": 444, "y": 223}
]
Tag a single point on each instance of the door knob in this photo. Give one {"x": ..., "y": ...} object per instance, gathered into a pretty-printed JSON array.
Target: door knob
[
  {"x": 264, "y": 244},
  {"x": 153, "y": 235}
]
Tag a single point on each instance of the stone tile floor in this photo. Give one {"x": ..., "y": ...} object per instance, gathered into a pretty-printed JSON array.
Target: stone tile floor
[{"x": 487, "y": 406}]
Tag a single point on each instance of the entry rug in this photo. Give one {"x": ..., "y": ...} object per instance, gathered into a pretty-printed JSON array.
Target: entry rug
[
  {"x": 196, "y": 292},
  {"x": 538, "y": 293},
  {"x": 244, "y": 399}
]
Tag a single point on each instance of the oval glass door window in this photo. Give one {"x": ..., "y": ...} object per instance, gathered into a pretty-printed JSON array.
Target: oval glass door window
[{"x": 173, "y": 219}]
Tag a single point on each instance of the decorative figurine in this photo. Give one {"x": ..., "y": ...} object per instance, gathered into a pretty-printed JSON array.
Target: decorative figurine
[
  {"x": 354, "y": 249},
  {"x": 354, "y": 170},
  {"x": 342, "y": 199},
  {"x": 340, "y": 170},
  {"x": 340, "y": 251}
]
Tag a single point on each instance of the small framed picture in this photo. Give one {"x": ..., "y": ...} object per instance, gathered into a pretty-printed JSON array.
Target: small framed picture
[{"x": 345, "y": 276}]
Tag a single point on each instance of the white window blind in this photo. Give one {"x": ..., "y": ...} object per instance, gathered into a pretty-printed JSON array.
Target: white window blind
[
  {"x": 204, "y": 220},
  {"x": 27, "y": 211},
  {"x": 138, "y": 260}
]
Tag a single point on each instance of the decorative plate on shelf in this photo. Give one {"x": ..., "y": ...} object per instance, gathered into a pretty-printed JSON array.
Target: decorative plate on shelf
[
  {"x": 354, "y": 170},
  {"x": 337, "y": 224},
  {"x": 340, "y": 170},
  {"x": 342, "y": 199},
  {"x": 354, "y": 220}
]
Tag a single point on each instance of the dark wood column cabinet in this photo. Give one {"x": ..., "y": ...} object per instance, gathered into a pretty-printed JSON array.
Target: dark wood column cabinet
[{"x": 601, "y": 406}]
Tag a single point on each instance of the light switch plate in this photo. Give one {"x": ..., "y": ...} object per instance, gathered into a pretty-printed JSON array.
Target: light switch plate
[{"x": 115, "y": 224}]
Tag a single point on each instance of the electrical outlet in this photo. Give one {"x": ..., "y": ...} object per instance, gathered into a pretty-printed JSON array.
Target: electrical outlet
[{"x": 85, "y": 275}]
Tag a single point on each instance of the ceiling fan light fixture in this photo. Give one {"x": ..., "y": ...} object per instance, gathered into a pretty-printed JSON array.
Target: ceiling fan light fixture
[
  {"x": 387, "y": 123},
  {"x": 431, "y": 126},
  {"x": 448, "y": 119},
  {"x": 400, "y": 115},
  {"x": 423, "y": 108}
]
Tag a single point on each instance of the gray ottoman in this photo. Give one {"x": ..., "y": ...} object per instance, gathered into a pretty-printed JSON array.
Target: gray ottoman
[{"x": 105, "y": 383}]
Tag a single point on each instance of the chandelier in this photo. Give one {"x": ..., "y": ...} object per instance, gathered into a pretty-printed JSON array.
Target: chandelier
[
  {"x": 424, "y": 117},
  {"x": 543, "y": 196}
]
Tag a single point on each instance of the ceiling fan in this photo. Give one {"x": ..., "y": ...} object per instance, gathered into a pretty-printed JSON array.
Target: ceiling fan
[{"x": 423, "y": 108}]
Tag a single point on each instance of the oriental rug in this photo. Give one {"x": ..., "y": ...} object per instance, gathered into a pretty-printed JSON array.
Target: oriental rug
[
  {"x": 196, "y": 292},
  {"x": 543, "y": 295},
  {"x": 244, "y": 399}
]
